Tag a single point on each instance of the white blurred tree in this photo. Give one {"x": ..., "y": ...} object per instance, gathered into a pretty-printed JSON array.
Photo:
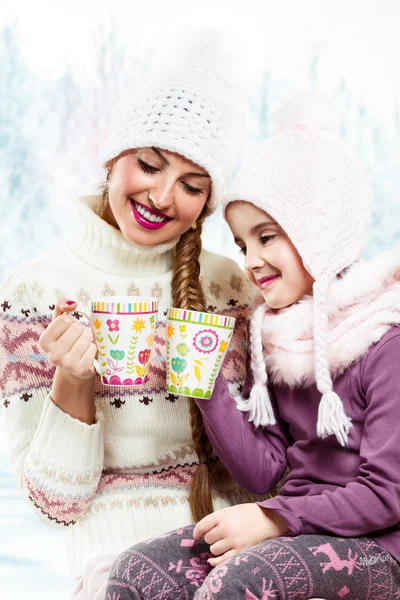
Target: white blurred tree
[{"x": 21, "y": 191}]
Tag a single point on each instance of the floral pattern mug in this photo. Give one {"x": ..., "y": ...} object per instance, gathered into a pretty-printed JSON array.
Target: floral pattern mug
[
  {"x": 196, "y": 346},
  {"x": 123, "y": 329}
]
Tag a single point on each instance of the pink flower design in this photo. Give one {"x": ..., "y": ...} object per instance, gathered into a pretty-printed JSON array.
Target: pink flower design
[
  {"x": 177, "y": 568},
  {"x": 144, "y": 356},
  {"x": 200, "y": 570},
  {"x": 205, "y": 341},
  {"x": 113, "y": 324},
  {"x": 197, "y": 571},
  {"x": 214, "y": 579},
  {"x": 115, "y": 380}
]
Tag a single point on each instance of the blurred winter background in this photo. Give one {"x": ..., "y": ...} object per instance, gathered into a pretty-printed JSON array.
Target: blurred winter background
[{"x": 63, "y": 67}]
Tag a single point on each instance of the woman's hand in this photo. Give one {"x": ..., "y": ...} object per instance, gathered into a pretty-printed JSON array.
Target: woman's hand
[
  {"x": 68, "y": 344},
  {"x": 232, "y": 530}
]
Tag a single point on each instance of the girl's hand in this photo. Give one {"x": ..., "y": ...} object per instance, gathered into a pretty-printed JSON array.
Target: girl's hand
[
  {"x": 232, "y": 530},
  {"x": 68, "y": 344}
]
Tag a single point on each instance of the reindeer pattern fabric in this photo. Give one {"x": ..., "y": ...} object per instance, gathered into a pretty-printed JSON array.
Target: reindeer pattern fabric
[{"x": 175, "y": 567}]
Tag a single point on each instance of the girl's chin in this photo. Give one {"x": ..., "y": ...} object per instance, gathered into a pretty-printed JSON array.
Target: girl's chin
[{"x": 273, "y": 300}]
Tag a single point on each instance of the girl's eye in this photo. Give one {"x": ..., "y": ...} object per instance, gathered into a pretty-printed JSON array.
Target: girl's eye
[
  {"x": 146, "y": 168},
  {"x": 266, "y": 238},
  {"x": 243, "y": 250},
  {"x": 191, "y": 190}
]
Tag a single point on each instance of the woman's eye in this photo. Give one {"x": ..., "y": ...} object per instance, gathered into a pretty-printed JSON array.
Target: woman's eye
[
  {"x": 146, "y": 168},
  {"x": 243, "y": 250},
  {"x": 191, "y": 190}
]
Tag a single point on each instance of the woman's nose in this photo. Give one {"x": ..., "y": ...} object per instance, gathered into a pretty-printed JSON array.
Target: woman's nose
[{"x": 162, "y": 197}]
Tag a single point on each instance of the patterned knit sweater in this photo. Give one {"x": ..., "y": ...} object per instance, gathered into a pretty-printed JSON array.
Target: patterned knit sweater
[{"x": 127, "y": 477}]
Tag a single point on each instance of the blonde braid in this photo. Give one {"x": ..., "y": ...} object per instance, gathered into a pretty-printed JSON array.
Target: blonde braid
[{"x": 188, "y": 293}]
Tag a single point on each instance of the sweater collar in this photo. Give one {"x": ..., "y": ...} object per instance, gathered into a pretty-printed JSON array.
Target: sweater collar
[
  {"x": 362, "y": 307},
  {"x": 105, "y": 248}
]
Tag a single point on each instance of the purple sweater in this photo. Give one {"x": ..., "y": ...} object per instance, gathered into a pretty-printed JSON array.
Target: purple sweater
[{"x": 352, "y": 491}]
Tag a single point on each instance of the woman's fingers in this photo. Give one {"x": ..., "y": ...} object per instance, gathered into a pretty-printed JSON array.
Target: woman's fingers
[
  {"x": 67, "y": 343},
  {"x": 79, "y": 361},
  {"x": 62, "y": 345},
  {"x": 55, "y": 330},
  {"x": 64, "y": 305},
  {"x": 80, "y": 345},
  {"x": 88, "y": 358}
]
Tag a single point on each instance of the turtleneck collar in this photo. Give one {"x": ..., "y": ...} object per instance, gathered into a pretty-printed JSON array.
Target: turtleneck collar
[{"x": 105, "y": 248}]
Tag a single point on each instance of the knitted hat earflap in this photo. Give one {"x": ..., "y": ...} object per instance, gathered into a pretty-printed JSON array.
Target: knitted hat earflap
[
  {"x": 258, "y": 404},
  {"x": 331, "y": 416}
]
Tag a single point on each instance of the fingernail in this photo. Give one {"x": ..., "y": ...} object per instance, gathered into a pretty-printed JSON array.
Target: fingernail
[{"x": 70, "y": 302}]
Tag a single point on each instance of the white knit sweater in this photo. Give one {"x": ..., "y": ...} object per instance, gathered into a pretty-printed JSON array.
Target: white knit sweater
[{"x": 126, "y": 478}]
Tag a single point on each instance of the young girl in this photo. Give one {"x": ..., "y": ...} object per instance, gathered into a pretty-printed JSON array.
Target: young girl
[
  {"x": 111, "y": 466},
  {"x": 324, "y": 380}
]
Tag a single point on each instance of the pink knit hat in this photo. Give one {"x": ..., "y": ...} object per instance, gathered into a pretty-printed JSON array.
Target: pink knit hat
[{"x": 307, "y": 179}]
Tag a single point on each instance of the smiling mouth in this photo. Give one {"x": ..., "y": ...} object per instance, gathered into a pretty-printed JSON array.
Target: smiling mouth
[
  {"x": 264, "y": 282},
  {"x": 147, "y": 217}
]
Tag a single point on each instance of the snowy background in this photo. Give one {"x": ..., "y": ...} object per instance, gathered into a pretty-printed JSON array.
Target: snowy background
[{"x": 64, "y": 66}]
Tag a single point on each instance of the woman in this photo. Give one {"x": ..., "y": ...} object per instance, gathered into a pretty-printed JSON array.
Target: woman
[{"x": 112, "y": 469}]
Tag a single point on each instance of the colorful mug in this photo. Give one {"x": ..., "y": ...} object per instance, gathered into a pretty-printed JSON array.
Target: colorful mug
[
  {"x": 196, "y": 346},
  {"x": 123, "y": 329}
]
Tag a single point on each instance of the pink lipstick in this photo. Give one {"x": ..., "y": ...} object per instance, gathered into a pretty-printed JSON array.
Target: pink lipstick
[
  {"x": 264, "y": 282},
  {"x": 143, "y": 215}
]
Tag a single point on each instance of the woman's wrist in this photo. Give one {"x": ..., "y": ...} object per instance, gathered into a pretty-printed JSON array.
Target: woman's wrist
[{"x": 74, "y": 395}]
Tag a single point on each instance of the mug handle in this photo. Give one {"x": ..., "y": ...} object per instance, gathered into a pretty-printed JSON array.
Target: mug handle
[{"x": 96, "y": 363}]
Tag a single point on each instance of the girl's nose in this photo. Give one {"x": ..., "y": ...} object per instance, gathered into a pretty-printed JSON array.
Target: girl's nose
[{"x": 253, "y": 260}]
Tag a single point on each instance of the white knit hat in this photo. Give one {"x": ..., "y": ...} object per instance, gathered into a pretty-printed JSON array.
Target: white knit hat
[
  {"x": 308, "y": 180},
  {"x": 194, "y": 110}
]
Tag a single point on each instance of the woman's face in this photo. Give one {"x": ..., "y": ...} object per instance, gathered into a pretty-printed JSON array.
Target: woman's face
[{"x": 155, "y": 195}]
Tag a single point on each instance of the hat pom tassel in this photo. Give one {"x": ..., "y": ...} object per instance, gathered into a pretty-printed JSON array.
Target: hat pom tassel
[
  {"x": 258, "y": 406},
  {"x": 332, "y": 420}
]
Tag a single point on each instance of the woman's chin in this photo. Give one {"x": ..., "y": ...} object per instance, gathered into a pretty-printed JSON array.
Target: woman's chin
[{"x": 143, "y": 237}]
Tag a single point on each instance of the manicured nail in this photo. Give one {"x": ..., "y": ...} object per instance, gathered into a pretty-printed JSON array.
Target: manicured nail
[{"x": 70, "y": 302}]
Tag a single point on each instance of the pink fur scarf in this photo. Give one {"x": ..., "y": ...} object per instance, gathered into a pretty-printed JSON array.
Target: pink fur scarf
[{"x": 362, "y": 306}]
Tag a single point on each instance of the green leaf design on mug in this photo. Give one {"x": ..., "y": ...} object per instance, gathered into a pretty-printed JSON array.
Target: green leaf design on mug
[
  {"x": 130, "y": 361},
  {"x": 214, "y": 372}
]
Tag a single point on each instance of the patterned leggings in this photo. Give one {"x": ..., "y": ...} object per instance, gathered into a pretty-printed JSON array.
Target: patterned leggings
[{"x": 174, "y": 567}]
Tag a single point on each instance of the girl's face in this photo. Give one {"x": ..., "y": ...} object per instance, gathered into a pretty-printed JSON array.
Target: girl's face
[
  {"x": 272, "y": 265},
  {"x": 155, "y": 195}
]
